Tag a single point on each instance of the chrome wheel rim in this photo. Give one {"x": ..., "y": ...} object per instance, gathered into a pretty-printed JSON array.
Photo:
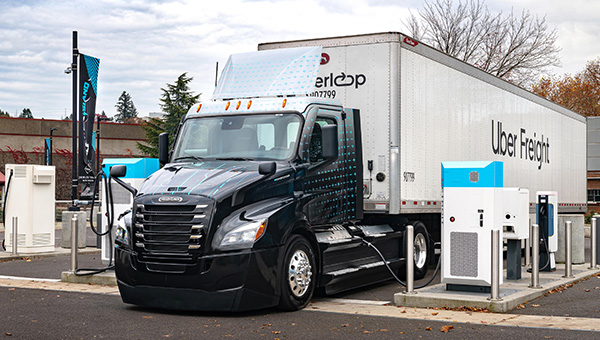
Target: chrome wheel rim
[
  {"x": 420, "y": 247},
  {"x": 299, "y": 273}
]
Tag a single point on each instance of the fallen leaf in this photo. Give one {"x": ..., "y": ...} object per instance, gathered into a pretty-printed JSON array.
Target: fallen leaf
[
  {"x": 404, "y": 311},
  {"x": 366, "y": 332},
  {"x": 276, "y": 332},
  {"x": 587, "y": 290},
  {"x": 428, "y": 328},
  {"x": 8, "y": 334},
  {"x": 384, "y": 330},
  {"x": 346, "y": 325},
  {"x": 445, "y": 329},
  {"x": 435, "y": 313},
  {"x": 147, "y": 317},
  {"x": 535, "y": 305},
  {"x": 11, "y": 289}
]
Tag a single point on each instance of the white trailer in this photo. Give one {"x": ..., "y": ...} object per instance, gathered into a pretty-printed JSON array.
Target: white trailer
[{"x": 420, "y": 107}]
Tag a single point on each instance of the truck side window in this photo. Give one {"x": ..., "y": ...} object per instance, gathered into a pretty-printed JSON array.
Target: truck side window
[{"x": 315, "y": 150}]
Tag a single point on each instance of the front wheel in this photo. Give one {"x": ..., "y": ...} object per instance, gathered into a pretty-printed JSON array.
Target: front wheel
[{"x": 297, "y": 279}]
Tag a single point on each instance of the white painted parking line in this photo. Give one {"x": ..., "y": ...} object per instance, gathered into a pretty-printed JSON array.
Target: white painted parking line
[
  {"x": 59, "y": 286},
  {"x": 4, "y": 277}
]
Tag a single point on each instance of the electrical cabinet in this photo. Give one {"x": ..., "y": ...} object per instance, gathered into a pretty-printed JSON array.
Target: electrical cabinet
[
  {"x": 515, "y": 225},
  {"x": 471, "y": 208},
  {"x": 30, "y": 198}
]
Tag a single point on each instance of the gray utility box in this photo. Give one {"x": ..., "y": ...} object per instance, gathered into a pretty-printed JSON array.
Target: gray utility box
[
  {"x": 577, "y": 237},
  {"x": 66, "y": 228}
]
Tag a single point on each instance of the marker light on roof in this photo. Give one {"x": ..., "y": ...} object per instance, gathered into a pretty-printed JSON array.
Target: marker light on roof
[
  {"x": 249, "y": 104},
  {"x": 227, "y": 106},
  {"x": 199, "y": 107},
  {"x": 284, "y": 103},
  {"x": 237, "y": 107}
]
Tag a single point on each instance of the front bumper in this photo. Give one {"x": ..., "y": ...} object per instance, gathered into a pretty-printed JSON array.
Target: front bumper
[{"x": 227, "y": 282}]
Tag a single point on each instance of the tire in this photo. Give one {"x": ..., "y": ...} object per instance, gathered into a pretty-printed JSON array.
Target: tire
[
  {"x": 297, "y": 275},
  {"x": 422, "y": 251}
]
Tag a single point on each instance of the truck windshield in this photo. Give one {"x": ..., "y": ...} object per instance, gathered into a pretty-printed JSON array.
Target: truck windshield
[{"x": 243, "y": 137}]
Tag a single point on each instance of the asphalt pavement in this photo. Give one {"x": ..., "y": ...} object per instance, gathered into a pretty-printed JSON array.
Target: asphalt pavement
[
  {"x": 52, "y": 314},
  {"x": 43, "y": 314}
]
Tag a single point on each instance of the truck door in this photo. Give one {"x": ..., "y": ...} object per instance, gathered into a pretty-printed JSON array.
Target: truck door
[{"x": 325, "y": 183}]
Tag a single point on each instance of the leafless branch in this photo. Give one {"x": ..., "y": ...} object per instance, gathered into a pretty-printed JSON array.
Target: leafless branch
[{"x": 514, "y": 47}]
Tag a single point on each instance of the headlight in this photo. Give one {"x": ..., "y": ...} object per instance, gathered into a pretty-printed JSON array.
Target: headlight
[
  {"x": 243, "y": 236},
  {"x": 121, "y": 235}
]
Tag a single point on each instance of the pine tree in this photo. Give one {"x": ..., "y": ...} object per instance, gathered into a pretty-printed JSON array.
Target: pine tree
[
  {"x": 125, "y": 108},
  {"x": 176, "y": 100},
  {"x": 26, "y": 113}
]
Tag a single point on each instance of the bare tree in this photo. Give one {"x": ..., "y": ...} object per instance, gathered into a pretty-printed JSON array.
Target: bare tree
[{"x": 514, "y": 47}]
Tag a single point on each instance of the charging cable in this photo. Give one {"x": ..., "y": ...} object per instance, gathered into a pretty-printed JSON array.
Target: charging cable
[
  {"x": 108, "y": 232},
  {"x": 437, "y": 267}
]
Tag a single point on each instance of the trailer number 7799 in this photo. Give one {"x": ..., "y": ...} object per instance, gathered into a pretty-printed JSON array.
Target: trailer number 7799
[{"x": 324, "y": 94}]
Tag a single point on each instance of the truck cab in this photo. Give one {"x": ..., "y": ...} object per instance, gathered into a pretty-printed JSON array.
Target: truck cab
[
  {"x": 259, "y": 201},
  {"x": 232, "y": 221}
]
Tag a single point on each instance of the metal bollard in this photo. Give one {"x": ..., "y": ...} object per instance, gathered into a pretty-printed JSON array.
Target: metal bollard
[
  {"x": 568, "y": 249},
  {"x": 535, "y": 257},
  {"x": 495, "y": 289},
  {"x": 528, "y": 247},
  {"x": 15, "y": 235},
  {"x": 593, "y": 242},
  {"x": 410, "y": 255},
  {"x": 74, "y": 243},
  {"x": 100, "y": 228}
]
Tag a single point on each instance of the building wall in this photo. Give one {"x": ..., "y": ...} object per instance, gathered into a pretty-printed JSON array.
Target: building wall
[
  {"x": 593, "y": 164},
  {"x": 22, "y": 141}
]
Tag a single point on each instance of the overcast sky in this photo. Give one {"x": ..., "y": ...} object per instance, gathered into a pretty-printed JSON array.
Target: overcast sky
[{"x": 142, "y": 45}]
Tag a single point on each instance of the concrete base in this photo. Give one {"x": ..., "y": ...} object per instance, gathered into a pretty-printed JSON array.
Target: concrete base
[
  {"x": 66, "y": 228},
  {"x": 578, "y": 238},
  {"x": 512, "y": 293},
  {"x": 106, "y": 279}
]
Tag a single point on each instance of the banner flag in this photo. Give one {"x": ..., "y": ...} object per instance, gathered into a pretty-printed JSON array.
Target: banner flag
[
  {"x": 88, "y": 89},
  {"x": 47, "y": 150}
]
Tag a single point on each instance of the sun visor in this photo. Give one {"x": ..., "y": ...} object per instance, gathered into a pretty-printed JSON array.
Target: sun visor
[{"x": 290, "y": 71}]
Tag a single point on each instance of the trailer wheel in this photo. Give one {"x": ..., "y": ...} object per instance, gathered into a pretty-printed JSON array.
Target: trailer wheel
[
  {"x": 297, "y": 279},
  {"x": 422, "y": 252}
]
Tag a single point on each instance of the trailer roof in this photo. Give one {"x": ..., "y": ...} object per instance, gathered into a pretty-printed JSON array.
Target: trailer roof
[{"x": 429, "y": 52}]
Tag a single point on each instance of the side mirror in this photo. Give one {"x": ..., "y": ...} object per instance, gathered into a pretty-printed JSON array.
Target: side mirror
[
  {"x": 330, "y": 141},
  {"x": 118, "y": 171},
  {"x": 267, "y": 168},
  {"x": 163, "y": 148}
]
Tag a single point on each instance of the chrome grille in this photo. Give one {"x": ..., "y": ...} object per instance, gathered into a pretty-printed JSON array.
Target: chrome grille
[{"x": 169, "y": 237}]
